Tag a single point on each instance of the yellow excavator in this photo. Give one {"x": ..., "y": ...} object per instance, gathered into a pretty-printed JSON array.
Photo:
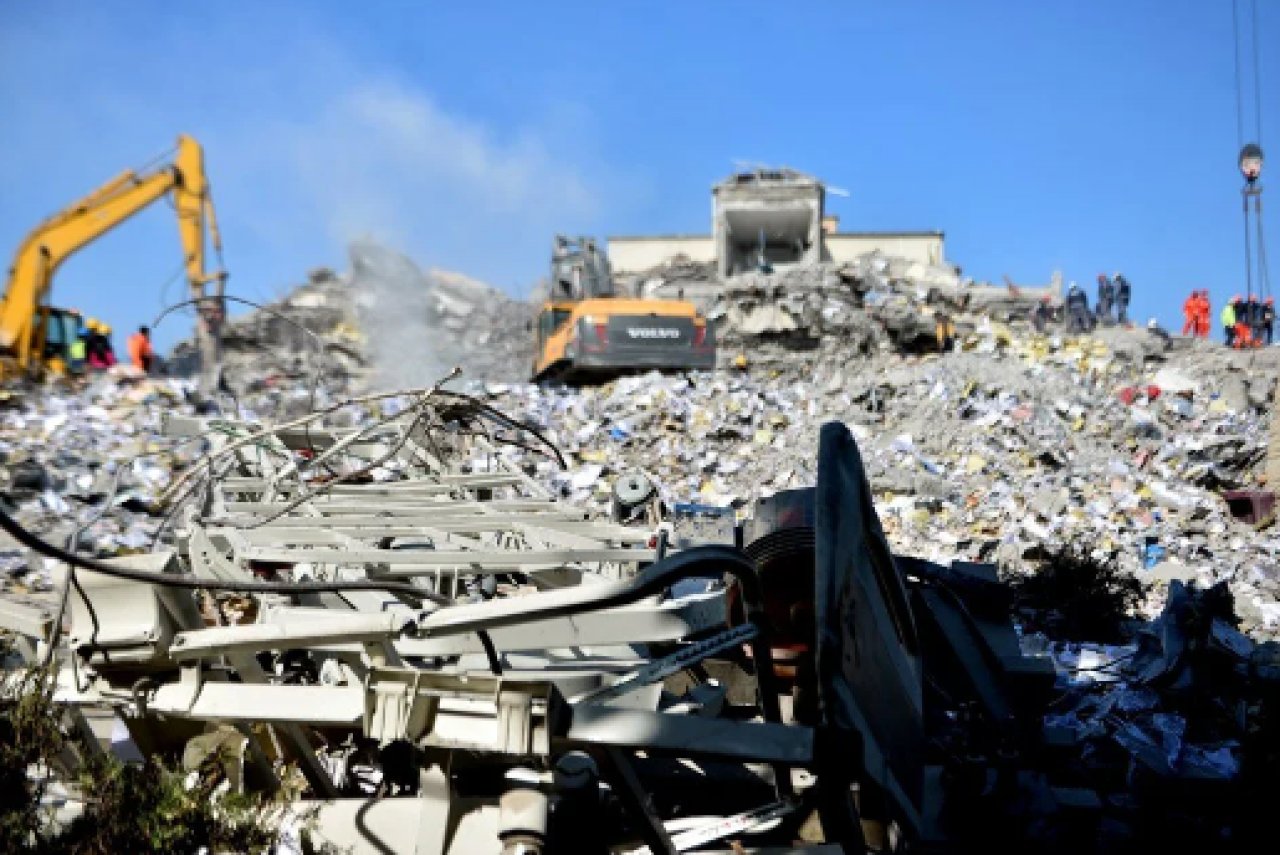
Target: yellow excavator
[
  {"x": 35, "y": 338},
  {"x": 586, "y": 331}
]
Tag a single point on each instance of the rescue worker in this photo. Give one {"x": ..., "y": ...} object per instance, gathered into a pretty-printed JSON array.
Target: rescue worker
[
  {"x": 1256, "y": 309},
  {"x": 1123, "y": 293},
  {"x": 140, "y": 352},
  {"x": 1077, "y": 310},
  {"x": 78, "y": 350},
  {"x": 101, "y": 354},
  {"x": 1268, "y": 319},
  {"x": 1202, "y": 318},
  {"x": 1106, "y": 295},
  {"x": 1228, "y": 321},
  {"x": 1191, "y": 313},
  {"x": 108, "y": 347},
  {"x": 1248, "y": 319},
  {"x": 1040, "y": 315},
  {"x": 1242, "y": 338}
]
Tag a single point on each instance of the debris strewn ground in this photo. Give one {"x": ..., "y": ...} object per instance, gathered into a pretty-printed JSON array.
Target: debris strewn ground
[{"x": 1102, "y": 462}]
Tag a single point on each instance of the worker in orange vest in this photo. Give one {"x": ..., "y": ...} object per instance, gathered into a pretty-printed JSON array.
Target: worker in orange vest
[
  {"x": 140, "y": 352},
  {"x": 1243, "y": 338},
  {"x": 1206, "y": 310},
  {"x": 1191, "y": 313}
]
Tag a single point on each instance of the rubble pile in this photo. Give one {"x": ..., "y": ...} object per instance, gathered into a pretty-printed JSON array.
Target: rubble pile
[
  {"x": 1176, "y": 729},
  {"x": 479, "y": 517},
  {"x": 313, "y": 329},
  {"x": 986, "y": 454},
  {"x": 90, "y": 464},
  {"x": 383, "y": 323},
  {"x": 873, "y": 301}
]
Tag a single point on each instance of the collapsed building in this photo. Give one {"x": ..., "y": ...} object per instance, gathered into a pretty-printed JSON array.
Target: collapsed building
[
  {"x": 770, "y": 217},
  {"x": 767, "y": 218},
  {"x": 776, "y": 265},
  {"x": 762, "y": 609}
]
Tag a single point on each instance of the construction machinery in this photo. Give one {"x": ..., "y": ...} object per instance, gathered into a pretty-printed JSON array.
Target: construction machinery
[
  {"x": 35, "y": 337},
  {"x": 587, "y": 330}
]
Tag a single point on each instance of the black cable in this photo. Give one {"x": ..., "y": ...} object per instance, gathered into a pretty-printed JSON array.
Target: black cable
[
  {"x": 145, "y": 166},
  {"x": 93, "y": 638},
  {"x": 172, "y": 580},
  {"x": 1248, "y": 249},
  {"x": 320, "y": 348},
  {"x": 506, "y": 420},
  {"x": 1235, "y": 40},
  {"x": 73, "y": 543},
  {"x": 1264, "y": 272},
  {"x": 490, "y": 651},
  {"x": 1257, "y": 79},
  {"x": 164, "y": 289}
]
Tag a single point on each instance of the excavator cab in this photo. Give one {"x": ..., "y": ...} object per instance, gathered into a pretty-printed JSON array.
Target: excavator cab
[{"x": 58, "y": 329}]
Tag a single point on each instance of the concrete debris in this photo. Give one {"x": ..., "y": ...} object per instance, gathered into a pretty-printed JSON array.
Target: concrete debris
[
  {"x": 879, "y": 300},
  {"x": 312, "y": 330},
  {"x": 92, "y": 463},
  {"x": 989, "y": 453},
  {"x": 384, "y": 323},
  {"x": 464, "y": 607}
]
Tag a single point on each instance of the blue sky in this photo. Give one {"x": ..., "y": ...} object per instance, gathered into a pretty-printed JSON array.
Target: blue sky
[{"x": 1083, "y": 135}]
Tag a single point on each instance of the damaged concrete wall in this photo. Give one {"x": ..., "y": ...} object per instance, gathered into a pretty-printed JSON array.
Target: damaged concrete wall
[
  {"x": 922, "y": 247},
  {"x": 767, "y": 217},
  {"x": 632, "y": 254}
]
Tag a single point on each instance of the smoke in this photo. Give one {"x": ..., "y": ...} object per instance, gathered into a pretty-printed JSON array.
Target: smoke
[
  {"x": 419, "y": 326},
  {"x": 382, "y": 159},
  {"x": 401, "y": 318}
]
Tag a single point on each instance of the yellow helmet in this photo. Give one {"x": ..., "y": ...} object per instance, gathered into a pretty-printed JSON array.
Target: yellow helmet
[{"x": 104, "y": 329}]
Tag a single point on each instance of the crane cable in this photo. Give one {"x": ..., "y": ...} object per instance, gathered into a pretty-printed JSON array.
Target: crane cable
[
  {"x": 1264, "y": 274},
  {"x": 1257, "y": 231}
]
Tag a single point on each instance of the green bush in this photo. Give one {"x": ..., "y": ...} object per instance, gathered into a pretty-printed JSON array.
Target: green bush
[{"x": 127, "y": 808}]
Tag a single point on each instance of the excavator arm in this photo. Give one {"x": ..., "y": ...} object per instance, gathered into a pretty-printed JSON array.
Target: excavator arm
[{"x": 60, "y": 236}]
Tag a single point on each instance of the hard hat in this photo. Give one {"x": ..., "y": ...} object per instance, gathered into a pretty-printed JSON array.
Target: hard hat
[
  {"x": 1152, "y": 323},
  {"x": 104, "y": 329},
  {"x": 92, "y": 323}
]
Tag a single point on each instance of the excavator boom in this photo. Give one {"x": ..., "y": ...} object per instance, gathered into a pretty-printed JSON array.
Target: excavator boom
[{"x": 63, "y": 234}]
